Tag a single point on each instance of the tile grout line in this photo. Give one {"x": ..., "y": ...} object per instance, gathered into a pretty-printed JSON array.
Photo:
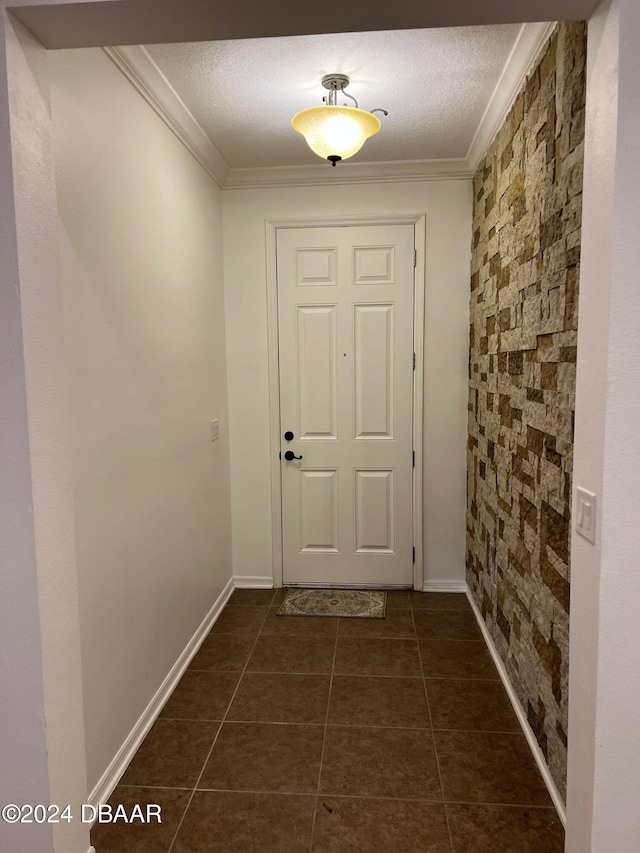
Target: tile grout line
[
  {"x": 324, "y": 737},
  {"x": 349, "y": 674},
  {"x": 378, "y": 797},
  {"x": 435, "y": 751},
  {"x": 206, "y": 761},
  {"x": 332, "y": 725},
  {"x": 341, "y": 674},
  {"x": 359, "y": 638},
  {"x": 482, "y": 803}
]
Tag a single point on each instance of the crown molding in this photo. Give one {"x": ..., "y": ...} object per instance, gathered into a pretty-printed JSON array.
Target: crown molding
[
  {"x": 145, "y": 76},
  {"x": 143, "y": 73},
  {"x": 531, "y": 39},
  {"x": 348, "y": 173}
]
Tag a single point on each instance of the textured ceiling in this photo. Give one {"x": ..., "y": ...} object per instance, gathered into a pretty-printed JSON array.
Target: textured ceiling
[{"x": 435, "y": 83}]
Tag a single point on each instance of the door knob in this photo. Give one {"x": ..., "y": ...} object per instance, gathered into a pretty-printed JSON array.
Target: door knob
[
  {"x": 289, "y": 455},
  {"x": 289, "y": 436}
]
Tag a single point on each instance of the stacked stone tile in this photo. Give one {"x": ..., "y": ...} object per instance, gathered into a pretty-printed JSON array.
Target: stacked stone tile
[{"x": 524, "y": 292}]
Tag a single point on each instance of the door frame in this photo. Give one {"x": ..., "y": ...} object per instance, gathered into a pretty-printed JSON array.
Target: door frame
[{"x": 418, "y": 220}]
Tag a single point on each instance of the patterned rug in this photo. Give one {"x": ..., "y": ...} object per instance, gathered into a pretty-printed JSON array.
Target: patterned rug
[{"x": 367, "y": 604}]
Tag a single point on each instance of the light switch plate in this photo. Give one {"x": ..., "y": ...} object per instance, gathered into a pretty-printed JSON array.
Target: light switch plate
[
  {"x": 215, "y": 429},
  {"x": 586, "y": 504}
]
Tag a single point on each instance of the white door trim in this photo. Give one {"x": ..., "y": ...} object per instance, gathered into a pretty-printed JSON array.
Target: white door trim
[{"x": 418, "y": 220}]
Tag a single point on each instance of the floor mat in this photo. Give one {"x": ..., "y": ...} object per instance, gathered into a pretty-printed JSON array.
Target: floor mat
[{"x": 363, "y": 603}]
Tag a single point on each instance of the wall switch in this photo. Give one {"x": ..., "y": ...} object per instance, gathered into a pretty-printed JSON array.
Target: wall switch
[
  {"x": 586, "y": 503},
  {"x": 215, "y": 430}
]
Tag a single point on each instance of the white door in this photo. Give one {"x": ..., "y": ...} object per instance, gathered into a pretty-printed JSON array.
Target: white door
[{"x": 345, "y": 314}]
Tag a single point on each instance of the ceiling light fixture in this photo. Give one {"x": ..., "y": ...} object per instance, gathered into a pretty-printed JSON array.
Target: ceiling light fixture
[{"x": 333, "y": 132}]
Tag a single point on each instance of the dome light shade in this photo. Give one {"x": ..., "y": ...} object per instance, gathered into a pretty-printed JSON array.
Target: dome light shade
[{"x": 333, "y": 132}]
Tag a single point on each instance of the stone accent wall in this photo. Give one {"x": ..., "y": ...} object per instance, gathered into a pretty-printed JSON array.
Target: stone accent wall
[{"x": 524, "y": 298}]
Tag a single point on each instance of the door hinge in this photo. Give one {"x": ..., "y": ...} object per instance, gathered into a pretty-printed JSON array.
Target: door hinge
[
  {"x": 414, "y": 361},
  {"x": 414, "y": 553},
  {"x": 414, "y": 459},
  {"x": 415, "y": 257}
]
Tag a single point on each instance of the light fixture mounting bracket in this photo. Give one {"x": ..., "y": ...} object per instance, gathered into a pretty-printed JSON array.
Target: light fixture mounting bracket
[{"x": 336, "y": 82}]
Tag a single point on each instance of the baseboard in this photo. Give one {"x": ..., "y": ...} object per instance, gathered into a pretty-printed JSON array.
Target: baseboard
[
  {"x": 444, "y": 586},
  {"x": 253, "y": 581},
  {"x": 522, "y": 719},
  {"x": 266, "y": 582},
  {"x": 112, "y": 775}
]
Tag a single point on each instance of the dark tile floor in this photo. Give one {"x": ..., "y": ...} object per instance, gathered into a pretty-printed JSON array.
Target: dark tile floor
[{"x": 291, "y": 734}]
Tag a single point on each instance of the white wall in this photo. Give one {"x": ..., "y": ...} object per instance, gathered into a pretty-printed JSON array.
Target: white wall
[
  {"x": 591, "y": 392},
  {"x": 42, "y": 757},
  {"x": 604, "y": 686},
  {"x": 141, "y": 261},
  {"x": 617, "y": 755},
  {"x": 447, "y": 205}
]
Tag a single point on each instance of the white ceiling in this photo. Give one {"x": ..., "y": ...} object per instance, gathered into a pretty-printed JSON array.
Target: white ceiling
[{"x": 435, "y": 83}]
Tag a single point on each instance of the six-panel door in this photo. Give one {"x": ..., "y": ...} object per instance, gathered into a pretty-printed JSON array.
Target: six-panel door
[{"x": 345, "y": 315}]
